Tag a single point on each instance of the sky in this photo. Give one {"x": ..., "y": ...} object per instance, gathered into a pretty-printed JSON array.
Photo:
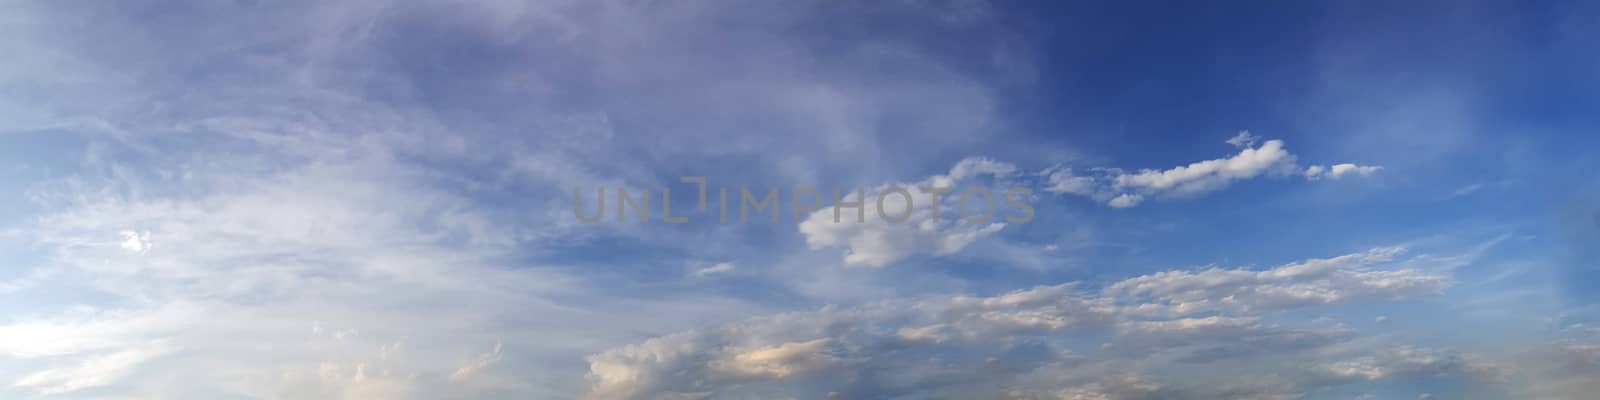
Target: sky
[{"x": 368, "y": 199}]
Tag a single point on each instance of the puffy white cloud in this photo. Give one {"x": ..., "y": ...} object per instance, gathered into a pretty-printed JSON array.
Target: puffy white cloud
[
  {"x": 1209, "y": 175},
  {"x": 932, "y": 226},
  {"x": 1122, "y": 189}
]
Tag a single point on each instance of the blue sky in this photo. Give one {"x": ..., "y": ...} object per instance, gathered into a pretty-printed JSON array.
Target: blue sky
[{"x": 366, "y": 199}]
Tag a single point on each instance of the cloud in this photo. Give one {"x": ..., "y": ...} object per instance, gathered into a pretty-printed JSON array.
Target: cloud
[
  {"x": 95, "y": 371},
  {"x": 315, "y": 161},
  {"x": 782, "y": 361},
  {"x": 1122, "y": 189},
  {"x": 136, "y": 242},
  {"x": 926, "y": 228},
  {"x": 843, "y": 344},
  {"x": 1244, "y": 140},
  {"x": 1337, "y": 171},
  {"x": 1338, "y": 280},
  {"x": 297, "y": 284},
  {"x": 1062, "y": 180},
  {"x": 1125, "y": 200},
  {"x": 320, "y": 162},
  {"x": 933, "y": 346},
  {"x": 1411, "y": 362},
  {"x": 468, "y": 370},
  {"x": 1112, "y": 388},
  {"x": 1205, "y": 176},
  {"x": 718, "y": 268}
]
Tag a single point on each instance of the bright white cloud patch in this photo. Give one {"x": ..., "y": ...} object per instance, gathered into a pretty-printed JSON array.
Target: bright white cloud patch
[
  {"x": 1339, "y": 171},
  {"x": 135, "y": 242},
  {"x": 1122, "y": 189}
]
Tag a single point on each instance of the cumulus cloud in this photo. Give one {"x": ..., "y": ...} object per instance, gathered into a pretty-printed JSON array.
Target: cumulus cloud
[
  {"x": 1123, "y": 189},
  {"x": 932, "y": 226}
]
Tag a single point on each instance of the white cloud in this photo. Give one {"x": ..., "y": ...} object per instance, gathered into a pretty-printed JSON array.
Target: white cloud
[
  {"x": 349, "y": 189},
  {"x": 1125, "y": 200},
  {"x": 1339, "y": 171},
  {"x": 1206, "y": 176},
  {"x": 782, "y": 361},
  {"x": 835, "y": 343},
  {"x": 1411, "y": 362},
  {"x": 1244, "y": 140},
  {"x": 135, "y": 242},
  {"x": 1122, "y": 189},
  {"x": 298, "y": 283},
  {"x": 472, "y": 368},
  {"x": 94, "y": 371},
  {"x": 718, "y": 268},
  {"x": 878, "y": 242},
  {"x": 1062, "y": 180},
  {"x": 1344, "y": 279},
  {"x": 929, "y": 343}
]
